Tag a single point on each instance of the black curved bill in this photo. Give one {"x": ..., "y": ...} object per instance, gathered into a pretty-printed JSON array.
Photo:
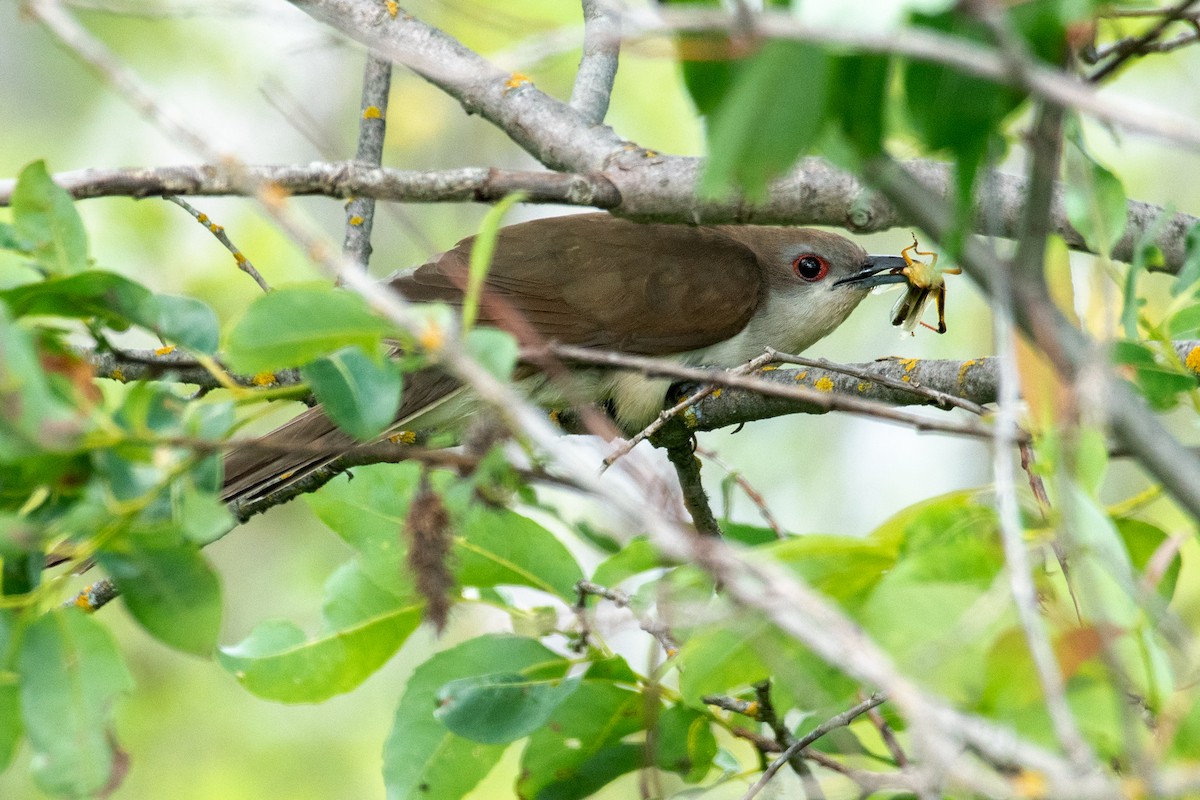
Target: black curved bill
[{"x": 877, "y": 271}]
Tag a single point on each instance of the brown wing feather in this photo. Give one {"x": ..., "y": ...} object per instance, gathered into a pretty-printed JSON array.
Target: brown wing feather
[{"x": 597, "y": 281}]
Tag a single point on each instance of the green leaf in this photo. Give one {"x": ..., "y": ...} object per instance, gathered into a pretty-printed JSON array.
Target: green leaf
[
  {"x": 1185, "y": 323},
  {"x": 185, "y": 321},
  {"x": 117, "y": 302},
  {"x": 858, "y": 100},
  {"x": 10, "y": 699},
  {"x": 360, "y": 393},
  {"x": 1189, "y": 273},
  {"x": 293, "y": 325},
  {"x": 501, "y": 707},
  {"x": 635, "y": 558},
  {"x": 1094, "y": 201},
  {"x": 422, "y": 759},
  {"x": 482, "y": 248},
  {"x": 1142, "y": 540},
  {"x": 174, "y": 593},
  {"x": 581, "y": 748},
  {"x": 106, "y": 296},
  {"x": 1160, "y": 383},
  {"x": 753, "y": 535},
  {"x": 368, "y": 514},
  {"x": 8, "y": 237},
  {"x": 500, "y": 547},
  {"x": 759, "y": 130},
  {"x": 46, "y": 222},
  {"x": 202, "y": 516},
  {"x": 685, "y": 743},
  {"x": 720, "y": 660},
  {"x": 363, "y": 626},
  {"x": 495, "y": 350},
  {"x": 843, "y": 567},
  {"x": 949, "y": 109},
  {"x": 70, "y": 675},
  {"x": 33, "y": 418}
]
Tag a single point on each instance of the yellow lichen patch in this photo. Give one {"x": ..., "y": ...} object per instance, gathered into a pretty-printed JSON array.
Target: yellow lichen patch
[
  {"x": 264, "y": 379},
  {"x": 672, "y": 652},
  {"x": 517, "y": 79},
  {"x": 906, "y": 378},
  {"x": 239, "y": 258},
  {"x": 1193, "y": 359},
  {"x": 801, "y": 375},
  {"x": 162, "y": 351},
  {"x": 909, "y": 364},
  {"x": 403, "y": 437},
  {"x": 716, "y": 393},
  {"x": 1030, "y": 784},
  {"x": 863, "y": 386},
  {"x": 769, "y": 368},
  {"x": 286, "y": 475},
  {"x": 84, "y": 599},
  {"x": 689, "y": 417},
  {"x": 117, "y": 374},
  {"x": 962, "y": 371},
  {"x": 356, "y": 220},
  {"x": 752, "y": 709},
  {"x": 393, "y": 8},
  {"x": 432, "y": 336},
  {"x": 650, "y": 153},
  {"x": 372, "y": 112},
  {"x": 824, "y": 384}
]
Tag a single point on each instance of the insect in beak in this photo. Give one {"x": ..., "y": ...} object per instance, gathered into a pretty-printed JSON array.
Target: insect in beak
[{"x": 925, "y": 281}]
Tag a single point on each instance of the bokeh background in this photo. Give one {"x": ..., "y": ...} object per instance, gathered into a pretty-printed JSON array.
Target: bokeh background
[{"x": 264, "y": 82}]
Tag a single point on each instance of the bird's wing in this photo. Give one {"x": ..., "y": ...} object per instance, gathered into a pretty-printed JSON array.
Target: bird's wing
[
  {"x": 593, "y": 280},
  {"x": 590, "y": 280}
]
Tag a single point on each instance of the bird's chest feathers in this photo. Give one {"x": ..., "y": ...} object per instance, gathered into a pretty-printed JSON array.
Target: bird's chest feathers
[{"x": 787, "y": 325}]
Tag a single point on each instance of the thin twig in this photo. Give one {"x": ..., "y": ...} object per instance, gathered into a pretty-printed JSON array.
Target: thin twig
[
  {"x": 889, "y": 738},
  {"x": 751, "y": 493},
  {"x": 795, "y": 759},
  {"x": 655, "y": 628},
  {"x": 1132, "y": 47},
  {"x": 833, "y": 723},
  {"x": 218, "y": 232},
  {"x": 683, "y": 457},
  {"x": 372, "y": 126}
]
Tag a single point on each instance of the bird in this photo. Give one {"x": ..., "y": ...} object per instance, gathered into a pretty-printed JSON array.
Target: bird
[{"x": 702, "y": 295}]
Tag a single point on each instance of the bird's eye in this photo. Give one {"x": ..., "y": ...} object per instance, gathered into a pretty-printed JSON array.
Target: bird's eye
[{"x": 810, "y": 268}]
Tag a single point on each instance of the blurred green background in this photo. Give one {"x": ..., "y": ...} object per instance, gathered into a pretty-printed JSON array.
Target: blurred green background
[{"x": 264, "y": 82}]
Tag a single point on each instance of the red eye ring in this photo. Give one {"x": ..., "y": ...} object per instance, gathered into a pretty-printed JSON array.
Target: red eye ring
[{"x": 810, "y": 267}]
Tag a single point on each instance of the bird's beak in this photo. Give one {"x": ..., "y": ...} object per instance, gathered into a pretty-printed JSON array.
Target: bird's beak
[{"x": 877, "y": 271}]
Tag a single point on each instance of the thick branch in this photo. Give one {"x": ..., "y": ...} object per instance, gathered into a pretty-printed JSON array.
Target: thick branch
[{"x": 662, "y": 188}]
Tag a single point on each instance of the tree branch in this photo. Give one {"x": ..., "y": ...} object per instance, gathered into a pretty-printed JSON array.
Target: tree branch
[
  {"x": 372, "y": 126},
  {"x": 661, "y": 189},
  {"x": 598, "y": 66}
]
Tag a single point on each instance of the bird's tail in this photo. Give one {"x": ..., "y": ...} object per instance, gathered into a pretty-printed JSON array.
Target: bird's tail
[{"x": 294, "y": 450}]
